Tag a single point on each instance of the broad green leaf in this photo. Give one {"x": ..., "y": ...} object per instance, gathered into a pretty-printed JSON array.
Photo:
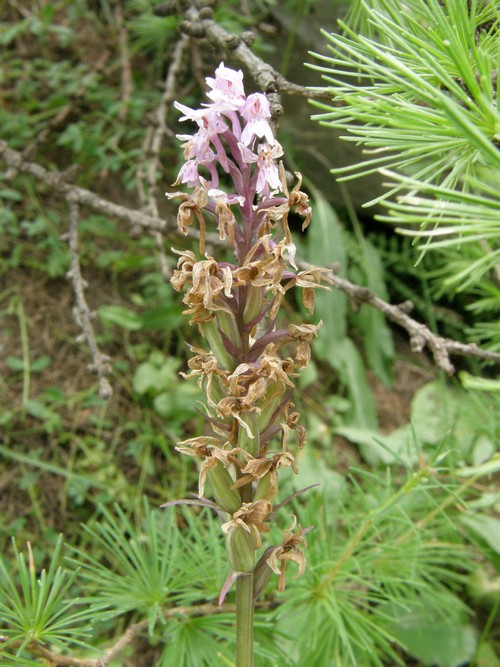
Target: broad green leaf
[
  {"x": 122, "y": 316},
  {"x": 40, "y": 364},
  {"x": 39, "y": 410},
  {"x": 162, "y": 318},
  {"x": 352, "y": 372},
  {"x": 490, "y": 467},
  {"x": 376, "y": 448},
  {"x": 484, "y": 448},
  {"x": 179, "y": 404},
  {"x": 487, "y": 656},
  {"x": 14, "y": 363},
  {"x": 308, "y": 375},
  {"x": 372, "y": 325},
  {"x": 436, "y": 643},
  {"x": 486, "y": 527},
  {"x": 156, "y": 374},
  {"x": 9, "y": 193},
  {"x": 326, "y": 247},
  {"x": 146, "y": 377},
  {"x": 433, "y": 412},
  {"x": 312, "y": 470}
]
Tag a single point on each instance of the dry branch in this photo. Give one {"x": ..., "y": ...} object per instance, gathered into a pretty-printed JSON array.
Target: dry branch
[
  {"x": 126, "y": 70},
  {"x": 199, "y": 25},
  {"x": 83, "y": 315},
  {"x": 55, "y": 181},
  {"x": 156, "y": 139},
  {"x": 420, "y": 335},
  {"x": 206, "y": 609}
]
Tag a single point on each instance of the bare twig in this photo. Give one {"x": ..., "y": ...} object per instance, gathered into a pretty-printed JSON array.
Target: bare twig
[
  {"x": 169, "y": 94},
  {"x": 127, "y": 81},
  {"x": 156, "y": 140},
  {"x": 200, "y": 25},
  {"x": 83, "y": 315},
  {"x": 55, "y": 180},
  {"x": 420, "y": 335},
  {"x": 207, "y": 609}
]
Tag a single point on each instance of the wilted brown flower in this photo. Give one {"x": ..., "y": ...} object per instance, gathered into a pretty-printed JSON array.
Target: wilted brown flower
[
  {"x": 211, "y": 286},
  {"x": 288, "y": 550},
  {"x": 309, "y": 280},
  {"x": 257, "y": 468},
  {"x": 251, "y": 517},
  {"x": 208, "y": 448},
  {"x": 191, "y": 205}
]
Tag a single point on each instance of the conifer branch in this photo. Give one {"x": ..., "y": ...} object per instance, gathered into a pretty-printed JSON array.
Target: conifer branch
[
  {"x": 56, "y": 659},
  {"x": 127, "y": 85}
]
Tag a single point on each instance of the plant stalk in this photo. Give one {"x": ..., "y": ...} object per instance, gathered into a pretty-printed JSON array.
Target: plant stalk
[{"x": 244, "y": 620}]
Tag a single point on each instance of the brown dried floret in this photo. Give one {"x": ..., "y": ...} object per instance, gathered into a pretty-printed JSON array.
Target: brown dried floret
[
  {"x": 251, "y": 517},
  {"x": 209, "y": 449},
  {"x": 288, "y": 550},
  {"x": 256, "y": 469},
  {"x": 192, "y": 204}
]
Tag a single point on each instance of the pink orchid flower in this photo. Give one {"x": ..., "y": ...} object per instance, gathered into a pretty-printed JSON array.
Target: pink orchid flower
[
  {"x": 256, "y": 111},
  {"x": 268, "y": 177},
  {"x": 227, "y": 91}
]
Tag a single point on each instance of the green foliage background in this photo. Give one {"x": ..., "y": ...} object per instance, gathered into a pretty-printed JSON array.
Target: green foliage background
[{"x": 404, "y": 554}]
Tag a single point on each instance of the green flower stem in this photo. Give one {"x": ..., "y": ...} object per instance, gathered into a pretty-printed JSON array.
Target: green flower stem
[{"x": 244, "y": 620}]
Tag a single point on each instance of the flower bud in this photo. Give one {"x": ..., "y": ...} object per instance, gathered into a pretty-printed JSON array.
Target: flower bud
[
  {"x": 221, "y": 482},
  {"x": 224, "y": 358},
  {"x": 227, "y": 324},
  {"x": 245, "y": 443},
  {"x": 254, "y": 303},
  {"x": 267, "y": 486},
  {"x": 240, "y": 550}
]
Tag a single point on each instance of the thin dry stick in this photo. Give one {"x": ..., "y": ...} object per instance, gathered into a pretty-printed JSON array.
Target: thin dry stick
[
  {"x": 83, "y": 315},
  {"x": 206, "y": 609},
  {"x": 169, "y": 94},
  {"x": 200, "y": 25},
  {"x": 126, "y": 71},
  {"x": 55, "y": 181},
  {"x": 420, "y": 335}
]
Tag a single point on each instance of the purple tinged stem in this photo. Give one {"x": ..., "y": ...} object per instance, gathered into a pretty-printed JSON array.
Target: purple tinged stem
[
  {"x": 271, "y": 337},
  {"x": 229, "y": 346}
]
